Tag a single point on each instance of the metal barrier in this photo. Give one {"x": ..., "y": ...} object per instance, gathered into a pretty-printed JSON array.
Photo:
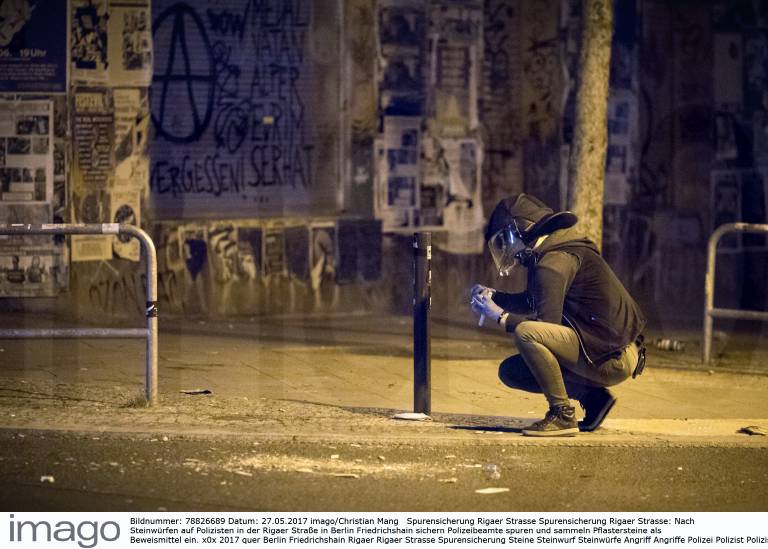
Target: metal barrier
[
  {"x": 710, "y": 312},
  {"x": 150, "y": 333}
]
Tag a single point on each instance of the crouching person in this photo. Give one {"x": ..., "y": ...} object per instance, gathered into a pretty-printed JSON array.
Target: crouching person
[{"x": 576, "y": 328}]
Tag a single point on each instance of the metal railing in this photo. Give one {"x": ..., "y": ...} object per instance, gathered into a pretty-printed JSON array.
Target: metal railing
[
  {"x": 710, "y": 311},
  {"x": 150, "y": 332}
]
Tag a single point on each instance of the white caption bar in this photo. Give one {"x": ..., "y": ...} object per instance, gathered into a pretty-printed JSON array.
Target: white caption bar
[{"x": 161, "y": 530}]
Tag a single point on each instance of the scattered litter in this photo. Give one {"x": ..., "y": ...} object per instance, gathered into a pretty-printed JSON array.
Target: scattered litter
[
  {"x": 450, "y": 456},
  {"x": 471, "y": 465},
  {"x": 20, "y": 435},
  {"x": 335, "y": 456},
  {"x": 114, "y": 464},
  {"x": 382, "y": 458},
  {"x": 223, "y": 483},
  {"x": 358, "y": 461},
  {"x": 492, "y": 471},
  {"x": 346, "y": 475},
  {"x": 355, "y": 445},
  {"x": 196, "y": 391},
  {"x": 2, "y": 350},
  {"x": 452, "y": 480},
  {"x": 281, "y": 410},
  {"x": 667, "y": 344},
  {"x": 753, "y": 430},
  {"x": 243, "y": 473},
  {"x": 162, "y": 508},
  {"x": 304, "y": 470},
  {"x": 412, "y": 416},
  {"x": 711, "y": 372},
  {"x": 47, "y": 478},
  {"x": 165, "y": 439},
  {"x": 83, "y": 369},
  {"x": 13, "y": 415},
  {"x": 679, "y": 468},
  {"x": 491, "y": 490}
]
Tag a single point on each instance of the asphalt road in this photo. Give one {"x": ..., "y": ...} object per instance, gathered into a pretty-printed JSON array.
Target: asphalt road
[{"x": 127, "y": 472}]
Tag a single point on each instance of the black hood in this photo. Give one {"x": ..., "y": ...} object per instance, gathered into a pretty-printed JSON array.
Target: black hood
[{"x": 532, "y": 217}]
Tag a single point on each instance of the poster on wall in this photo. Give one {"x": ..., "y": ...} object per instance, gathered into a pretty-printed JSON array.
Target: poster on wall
[
  {"x": 129, "y": 48},
  {"x": 30, "y": 272},
  {"x": 245, "y": 121},
  {"x": 274, "y": 252},
  {"x": 88, "y": 41},
  {"x": 131, "y": 112},
  {"x": 755, "y": 71},
  {"x": 26, "y": 151},
  {"x": 30, "y": 266},
  {"x": 126, "y": 208},
  {"x": 620, "y": 164},
  {"x": 401, "y": 28},
  {"x": 397, "y": 174},
  {"x": 94, "y": 137},
  {"x": 92, "y": 171},
  {"x": 726, "y": 205},
  {"x": 33, "y": 46},
  {"x": 322, "y": 252},
  {"x": 463, "y": 212},
  {"x": 456, "y": 43}
]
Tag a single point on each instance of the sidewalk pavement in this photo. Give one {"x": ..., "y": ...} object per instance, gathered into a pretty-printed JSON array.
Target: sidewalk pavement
[{"x": 341, "y": 378}]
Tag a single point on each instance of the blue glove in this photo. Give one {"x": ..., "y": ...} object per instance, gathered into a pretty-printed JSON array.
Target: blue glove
[{"x": 483, "y": 305}]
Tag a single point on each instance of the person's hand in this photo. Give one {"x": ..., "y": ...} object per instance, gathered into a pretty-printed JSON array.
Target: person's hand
[
  {"x": 483, "y": 305},
  {"x": 482, "y": 290}
]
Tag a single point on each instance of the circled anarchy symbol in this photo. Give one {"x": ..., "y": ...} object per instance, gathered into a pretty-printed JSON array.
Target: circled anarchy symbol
[{"x": 180, "y": 85}]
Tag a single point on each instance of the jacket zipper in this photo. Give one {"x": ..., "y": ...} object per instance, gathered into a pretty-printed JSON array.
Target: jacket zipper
[{"x": 578, "y": 336}]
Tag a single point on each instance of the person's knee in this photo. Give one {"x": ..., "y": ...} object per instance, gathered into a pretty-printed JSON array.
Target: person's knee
[
  {"x": 526, "y": 331},
  {"x": 514, "y": 373}
]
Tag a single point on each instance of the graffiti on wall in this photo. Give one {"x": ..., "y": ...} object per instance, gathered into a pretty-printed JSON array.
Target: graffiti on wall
[{"x": 239, "y": 107}]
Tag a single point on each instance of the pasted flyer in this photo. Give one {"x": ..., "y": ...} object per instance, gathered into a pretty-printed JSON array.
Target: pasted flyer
[{"x": 33, "y": 46}]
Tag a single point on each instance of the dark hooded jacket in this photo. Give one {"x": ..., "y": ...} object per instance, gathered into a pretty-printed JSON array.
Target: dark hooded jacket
[{"x": 569, "y": 283}]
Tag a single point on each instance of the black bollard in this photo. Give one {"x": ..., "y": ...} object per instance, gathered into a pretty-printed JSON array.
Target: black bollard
[{"x": 422, "y": 301}]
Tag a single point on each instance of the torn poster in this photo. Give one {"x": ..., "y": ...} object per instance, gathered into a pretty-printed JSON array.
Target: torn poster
[
  {"x": 455, "y": 46},
  {"x": 130, "y": 43},
  {"x": 33, "y": 46},
  {"x": 91, "y": 248},
  {"x": 400, "y": 70},
  {"x": 397, "y": 176},
  {"x": 131, "y": 126},
  {"x": 26, "y": 151},
  {"x": 88, "y": 39},
  {"x": 274, "y": 252},
  {"x": 463, "y": 212},
  {"x": 125, "y": 206},
  {"x": 322, "y": 257},
  {"x": 620, "y": 164}
]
